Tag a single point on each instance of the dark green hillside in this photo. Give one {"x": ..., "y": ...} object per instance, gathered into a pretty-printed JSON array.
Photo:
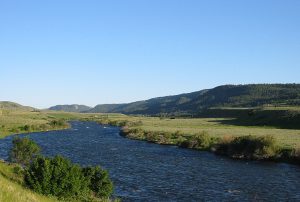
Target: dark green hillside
[
  {"x": 152, "y": 106},
  {"x": 222, "y": 96},
  {"x": 106, "y": 108},
  {"x": 251, "y": 95},
  {"x": 70, "y": 108}
]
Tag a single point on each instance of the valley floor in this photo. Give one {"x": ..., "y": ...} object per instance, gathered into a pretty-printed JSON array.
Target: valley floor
[{"x": 159, "y": 130}]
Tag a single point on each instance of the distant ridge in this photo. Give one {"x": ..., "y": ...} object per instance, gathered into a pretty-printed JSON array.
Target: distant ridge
[
  {"x": 7, "y": 105},
  {"x": 71, "y": 108},
  {"x": 251, "y": 95}
]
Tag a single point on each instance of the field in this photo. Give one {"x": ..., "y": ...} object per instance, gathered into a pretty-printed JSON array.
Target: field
[
  {"x": 213, "y": 126},
  {"x": 14, "y": 121}
]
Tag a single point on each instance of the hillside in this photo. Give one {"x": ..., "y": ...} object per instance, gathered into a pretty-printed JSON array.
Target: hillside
[
  {"x": 70, "y": 108},
  {"x": 6, "y": 105},
  {"x": 252, "y": 95}
]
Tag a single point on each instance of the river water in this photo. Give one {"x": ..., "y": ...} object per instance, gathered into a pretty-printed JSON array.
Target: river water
[{"x": 144, "y": 171}]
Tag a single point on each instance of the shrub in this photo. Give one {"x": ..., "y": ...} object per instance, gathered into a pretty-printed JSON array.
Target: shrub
[
  {"x": 99, "y": 181},
  {"x": 26, "y": 128},
  {"x": 250, "y": 147},
  {"x": 23, "y": 151},
  {"x": 59, "y": 177},
  {"x": 56, "y": 176},
  {"x": 55, "y": 123},
  {"x": 198, "y": 141}
]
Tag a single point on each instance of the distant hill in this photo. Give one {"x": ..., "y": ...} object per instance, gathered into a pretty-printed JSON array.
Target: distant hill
[
  {"x": 70, "y": 108},
  {"x": 252, "y": 95},
  {"x": 6, "y": 105},
  {"x": 152, "y": 106}
]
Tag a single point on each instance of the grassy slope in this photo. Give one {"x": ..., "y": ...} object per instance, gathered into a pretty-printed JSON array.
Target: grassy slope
[{"x": 11, "y": 190}]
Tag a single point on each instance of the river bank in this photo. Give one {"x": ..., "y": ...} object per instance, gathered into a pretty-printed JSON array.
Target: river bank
[
  {"x": 247, "y": 147},
  {"x": 263, "y": 148},
  {"x": 153, "y": 172}
]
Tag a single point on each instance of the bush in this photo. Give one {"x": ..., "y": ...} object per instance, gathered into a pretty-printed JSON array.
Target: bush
[
  {"x": 99, "y": 181},
  {"x": 59, "y": 177},
  {"x": 198, "y": 141},
  {"x": 26, "y": 128},
  {"x": 23, "y": 151},
  {"x": 55, "y": 123},
  {"x": 56, "y": 176},
  {"x": 250, "y": 147}
]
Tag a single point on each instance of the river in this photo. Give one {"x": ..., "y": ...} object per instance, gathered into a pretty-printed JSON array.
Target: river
[{"x": 143, "y": 171}]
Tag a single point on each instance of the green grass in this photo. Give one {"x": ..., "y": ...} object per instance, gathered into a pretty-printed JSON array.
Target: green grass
[
  {"x": 213, "y": 126},
  {"x": 14, "y": 122},
  {"x": 11, "y": 190}
]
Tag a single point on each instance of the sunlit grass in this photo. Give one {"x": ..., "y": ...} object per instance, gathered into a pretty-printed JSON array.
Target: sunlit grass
[
  {"x": 214, "y": 127},
  {"x": 11, "y": 191}
]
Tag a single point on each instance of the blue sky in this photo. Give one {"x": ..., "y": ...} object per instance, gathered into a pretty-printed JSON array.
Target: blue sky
[{"x": 92, "y": 52}]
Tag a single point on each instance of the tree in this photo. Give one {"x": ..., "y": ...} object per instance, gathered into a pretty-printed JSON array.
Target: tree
[{"x": 23, "y": 151}]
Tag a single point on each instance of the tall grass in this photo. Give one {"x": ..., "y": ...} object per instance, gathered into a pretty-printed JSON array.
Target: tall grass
[
  {"x": 11, "y": 190},
  {"x": 249, "y": 147}
]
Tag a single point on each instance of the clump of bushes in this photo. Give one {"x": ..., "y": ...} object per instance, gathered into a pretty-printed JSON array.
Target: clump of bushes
[
  {"x": 41, "y": 127},
  {"x": 98, "y": 181},
  {"x": 249, "y": 147},
  {"x": 24, "y": 150},
  {"x": 58, "y": 176},
  {"x": 202, "y": 141},
  {"x": 136, "y": 133},
  {"x": 57, "y": 123},
  {"x": 159, "y": 137}
]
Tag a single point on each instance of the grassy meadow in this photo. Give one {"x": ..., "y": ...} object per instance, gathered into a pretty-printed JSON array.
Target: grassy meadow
[
  {"x": 19, "y": 121},
  {"x": 215, "y": 127}
]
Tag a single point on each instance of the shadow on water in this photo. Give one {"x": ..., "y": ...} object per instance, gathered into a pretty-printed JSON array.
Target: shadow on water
[{"x": 142, "y": 171}]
